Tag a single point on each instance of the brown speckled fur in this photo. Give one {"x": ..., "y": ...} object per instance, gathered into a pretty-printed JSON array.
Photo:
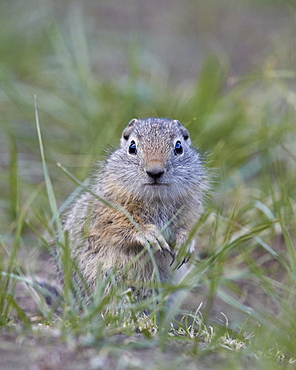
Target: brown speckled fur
[{"x": 101, "y": 237}]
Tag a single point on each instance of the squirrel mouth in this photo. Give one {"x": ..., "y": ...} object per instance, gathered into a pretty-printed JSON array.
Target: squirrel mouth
[{"x": 155, "y": 183}]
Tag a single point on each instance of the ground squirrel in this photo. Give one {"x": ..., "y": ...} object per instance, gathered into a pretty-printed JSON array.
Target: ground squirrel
[{"x": 159, "y": 179}]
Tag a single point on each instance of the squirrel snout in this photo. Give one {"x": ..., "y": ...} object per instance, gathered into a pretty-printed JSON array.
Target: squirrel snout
[{"x": 155, "y": 170}]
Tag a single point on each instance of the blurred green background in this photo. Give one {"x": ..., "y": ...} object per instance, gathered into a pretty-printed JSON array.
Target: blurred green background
[{"x": 225, "y": 69}]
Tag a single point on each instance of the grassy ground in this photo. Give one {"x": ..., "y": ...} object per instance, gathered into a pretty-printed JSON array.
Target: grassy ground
[{"x": 227, "y": 71}]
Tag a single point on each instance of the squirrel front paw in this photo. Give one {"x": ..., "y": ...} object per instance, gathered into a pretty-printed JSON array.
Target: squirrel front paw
[
  {"x": 183, "y": 250},
  {"x": 156, "y": 241}
]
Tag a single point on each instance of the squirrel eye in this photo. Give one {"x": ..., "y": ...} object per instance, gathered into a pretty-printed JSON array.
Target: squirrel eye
[
  {"x": 178, "y": 148},
  {"x": 132, "y": 148}
]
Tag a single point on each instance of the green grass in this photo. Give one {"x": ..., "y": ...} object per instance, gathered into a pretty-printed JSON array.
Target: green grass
[{"x": 245, "y": 125}]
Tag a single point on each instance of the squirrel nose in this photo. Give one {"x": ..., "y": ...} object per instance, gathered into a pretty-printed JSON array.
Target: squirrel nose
[{"x": 155, "y": 171}]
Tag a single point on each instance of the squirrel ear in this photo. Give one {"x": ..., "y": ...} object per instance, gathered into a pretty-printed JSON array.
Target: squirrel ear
[
  {"x": 184, "y": 132},
  {"x": 129, "y": 128}
]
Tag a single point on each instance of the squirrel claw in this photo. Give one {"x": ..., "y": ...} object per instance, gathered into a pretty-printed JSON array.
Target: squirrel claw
[
  {"x": 183, "y": 250},
  {"x": 173, "y": 255},
  {"x": 179, "y": 262},
  {"x": 185, "y": 260},
  {"x": 153, "y": 237}
]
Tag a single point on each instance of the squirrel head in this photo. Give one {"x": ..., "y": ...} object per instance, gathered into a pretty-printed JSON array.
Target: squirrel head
[{"x": 156, "y": 160}]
